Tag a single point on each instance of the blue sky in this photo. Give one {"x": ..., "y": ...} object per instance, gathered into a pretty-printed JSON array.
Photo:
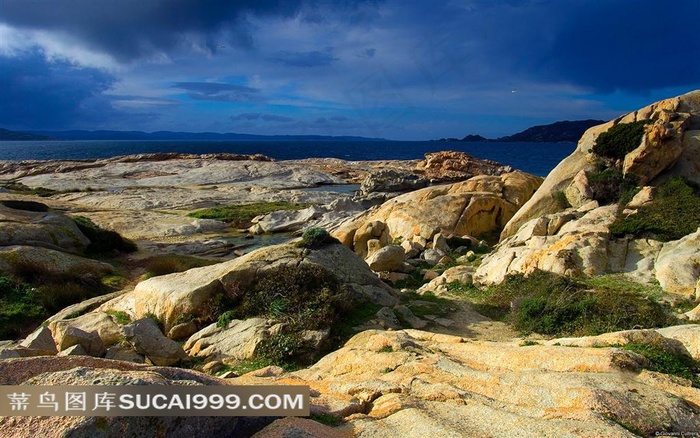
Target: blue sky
[{"x": 407, "y": 70}]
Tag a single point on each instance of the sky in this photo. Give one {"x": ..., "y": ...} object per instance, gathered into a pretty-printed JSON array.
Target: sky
[{"x": 396, "y": 69}]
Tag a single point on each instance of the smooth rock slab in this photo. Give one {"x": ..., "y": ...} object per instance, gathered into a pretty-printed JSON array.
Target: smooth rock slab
[
  {"x": 148, "y": 340},
  {"x": 390, "y": 258}
]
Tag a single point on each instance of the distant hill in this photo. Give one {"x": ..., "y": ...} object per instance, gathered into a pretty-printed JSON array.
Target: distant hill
[
  {"x": 7, "y": 135},
  {"x": 565, "y": 131},
  {"x": 170, "y": 135}
]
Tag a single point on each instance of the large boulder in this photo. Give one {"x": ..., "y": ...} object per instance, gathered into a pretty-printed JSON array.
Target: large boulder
[
  {"x": 480, "y": 205},
  {"x": 457, "y": 166},
  {"x": 412, "y": 383},
  {"x": 678, "y": 266},
  {"x": 90, "y": 341},
  {"x": 389, "y": 258},
  {"x": 195, "y": 291},
  {"x": 669, "y": 147},
  {"x": 545, "y": 234},
  {"x": 18, "y": 259},
  {"x": 97, "y": 322},
  {"x": 84, "y": 371},
  {"x": 237, "y": 341},
  {"x": 41, "y": 341},
  {"x": 34, "y": 224},
  {"x": 579, "y": 242},
  {"x": 147, "y": 339},
  {"x": 391, "y": 181}
]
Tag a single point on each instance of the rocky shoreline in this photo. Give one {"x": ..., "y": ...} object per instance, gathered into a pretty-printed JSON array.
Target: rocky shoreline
[{"x": 385, "y": 301}]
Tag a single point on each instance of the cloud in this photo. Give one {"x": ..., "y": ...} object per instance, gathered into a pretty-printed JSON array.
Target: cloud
[
  {"x": 261, "y": 116},
  {"x": 367, "y": 53},
  {"x": 219, "y": 92},
  {"x": 306, "y": 59},
  {"x": 617, "y": 45},
  {"x": 131, "y": 29},
  {"x": 36, "y": 93}
]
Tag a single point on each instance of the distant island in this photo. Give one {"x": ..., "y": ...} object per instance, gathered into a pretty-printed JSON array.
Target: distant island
[
  {"x": 564, "y": 131},
  {"x": 165, "y": 135},
  {"x": 20, "y": 136}
]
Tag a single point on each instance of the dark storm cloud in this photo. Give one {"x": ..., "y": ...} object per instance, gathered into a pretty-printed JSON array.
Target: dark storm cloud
[
  {"x": 313, "y": 58},
  {"x": 219, "y": 92},
  {"x": 36, "y": 93},
  {"x": 628, "y": 45},
  {"x": 128, "y": 29},
  {"x": 261, "y": 116},
  {"x": 599, "y": 45}
]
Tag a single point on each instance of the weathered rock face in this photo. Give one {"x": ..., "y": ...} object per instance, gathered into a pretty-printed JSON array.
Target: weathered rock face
[
  {"x": 389, "y": 258},
  {"x": 577, "y": 241},
  {"x": 191, "y": 292},
  {"x": 479, "y": 205},
  {"x": 457, "y": 166},
  {"x": 81, "y": 370},
  {"x": 236, "y": 342},
  {"x": 48, "y": 260},
  {"x": 670, "y": 146},
  {"x": 98, "y": 322},
  {"x": 148, "y": 340},
  {"x": 413, "y": 383},
  {"x": 678, "y": 266},
  {"x": 391, "y": 181},
  {"x": 23, "y": 223}
]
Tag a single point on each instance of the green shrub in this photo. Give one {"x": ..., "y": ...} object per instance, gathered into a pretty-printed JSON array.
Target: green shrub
[
  {"x": 226, "y": 318},
  {"x": 554, "y": 305},
  {"x": 560, "y": 200},
  {"x": 25, "y": 190},
  {"x": 122, "y": 318},
  {"x": 240, "y": 215},
  {"x": 103, "y": 241},
  {"x": 304, "y": 295},
  {"x": 316, "y": 237},
  {"x": 619, "y": 140},
  {"x": 674, "y": 213},
  {"x": 282, "y": 349},
  {"x": 609, "y": 185},
  {"x": 327, "y": 419},
  {"x": 55, "y": 291},
  {"x": 19, "y": 310},
  {"x": 666, "y": 362}
]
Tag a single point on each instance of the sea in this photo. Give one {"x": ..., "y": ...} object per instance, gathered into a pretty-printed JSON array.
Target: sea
[{"x": 536, "y": 158}]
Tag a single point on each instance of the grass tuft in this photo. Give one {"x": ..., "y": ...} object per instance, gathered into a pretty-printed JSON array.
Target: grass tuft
[{"x": 240, "y": 216}]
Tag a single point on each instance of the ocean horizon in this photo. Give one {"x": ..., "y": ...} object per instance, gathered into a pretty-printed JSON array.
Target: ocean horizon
[{"x": 535, "y": 158}]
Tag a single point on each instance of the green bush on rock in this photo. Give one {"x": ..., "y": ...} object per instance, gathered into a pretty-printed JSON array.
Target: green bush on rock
[
  {"x": 620, "y": 140},
  {"x": 241, "y": 215},
  {"x": 609, "y": 186},
  {"x": 665, "y": 362},
  {"x": 674, "y": 213},
  {"x": 301, "y": 298},
  {"x": 18, "y": 308},
  {"x": 315, "y": 237},
  {"x": 554, "y": 305}
]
